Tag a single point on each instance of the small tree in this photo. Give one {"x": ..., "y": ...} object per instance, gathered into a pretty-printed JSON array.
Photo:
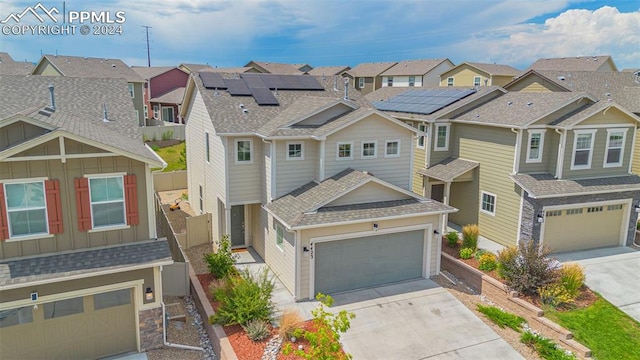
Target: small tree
[
  {"x": 220, "y": 262},
  {"x": 324, "y": 343},
  {"x": 530, "y": 270}
]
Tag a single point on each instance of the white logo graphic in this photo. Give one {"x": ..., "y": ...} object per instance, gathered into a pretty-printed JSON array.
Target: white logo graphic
[{"x": 33, "y": 10}]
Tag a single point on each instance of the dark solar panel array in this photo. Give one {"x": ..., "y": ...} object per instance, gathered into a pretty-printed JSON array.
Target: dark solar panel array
[
  {"x": 254, "y": 80},
  {"x": 423, "y": 101},
  {"x": 264, "y": 96},
  {"x": 212, "y": 81},
  {"x": 237, "y": 87}
]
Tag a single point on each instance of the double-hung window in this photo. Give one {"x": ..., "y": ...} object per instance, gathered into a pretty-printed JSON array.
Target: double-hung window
[
  {"x": 392, "y": 148},
  {"x": 535, "y": 146},
  {"x": 132, "y": 92},
  {"x": 107, "y": 201},
  {"x": 450, "y": 81},
  {"x": 361, "y": 83},
  {"x": 488, "y": 203},
  {"x": 442, "y": 137},
  {"x": 345, "y": 151},
  {"x": 279, "y": 236},
  {"x": 390, "y": 81},
  {"x": 146, "y": 112},
  {"x": 422, "y": 128},
  {"x": 295, "y": 151},
  {"x": 156, "y": 111},
  {"x": 582, "y": 149},
  {"x": 615, "y": 147},
  {"x": 243, "y": 151},
  {"x": 369, "y": 150},
  {"x": 412, "y": 81},
  {"x": 26, "y": 208},
  {"x": 476, "y": 80}
]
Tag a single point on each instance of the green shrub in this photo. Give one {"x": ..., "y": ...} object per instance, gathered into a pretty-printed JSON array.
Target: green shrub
[
  {"x": 215, "y": 285},
  {"x": 257, "y": 329},
  {"x": 452, "y": 238},
  {"x": 167, "y": 135},
  {"x": 546, "y": 348},
  {"x": 487, "y": 262},
  {"x": 572, "y": 278},
  {"x": 530, "y": 270},
  {"x": 502, "y": 318},
  {"x": 246, "y": 297},
  {"x": 506, "y": 256},
  {"x": 290, "y": 321},
  {"x": 466, "y": 253},
  {"x": 220, "y": 262},
  {"x": 155, "y": 147},
  {"x": 555, "y": 294},
  {"x": 470, "y": 235}
]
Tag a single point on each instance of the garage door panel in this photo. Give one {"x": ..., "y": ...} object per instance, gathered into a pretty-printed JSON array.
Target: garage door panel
[{"x": 368, "y": 261}]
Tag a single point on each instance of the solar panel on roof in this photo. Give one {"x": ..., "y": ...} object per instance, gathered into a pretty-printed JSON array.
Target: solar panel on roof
[
  {"x": 310, "y": 83},
  {"x": 291, "y": 82},
  {"x": 263, "y": 96},
  {"x": 254, "y": 80},
  {"x": 272, "y": 81},
  {"x": 423, "y": 101},
  {"x": 212, "y": 80},
  {"x": 237, "y": 87}
]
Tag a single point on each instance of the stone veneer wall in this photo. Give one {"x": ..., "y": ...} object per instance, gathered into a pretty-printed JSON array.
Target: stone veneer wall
[
  {"x": 530, "y": 227},
  {"x": 150, "y": 329}
]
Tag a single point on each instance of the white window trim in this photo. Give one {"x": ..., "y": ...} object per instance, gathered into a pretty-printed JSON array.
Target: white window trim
[
  {"x": 207, "y": 147},
  {"x": 156, "y": 111},
  {"x": 95, "y": 228},
  {"x": 575, "y": 142},
  {"x": 172, "y": 113},
  {"x": 301, "y": 143},
  {"x": 606, "y": 152},
  {"x": 495, "y": 203},
  {"x": 350, "y": 143},
  {"x": 235, "y": 151},
  {"x": 450, "y": 81},
  {"x": 539, "y": 158},
  {"x": 422, "y": 134},
  {"x": 46, "y": 211},
  {"x": 389, "y": 81},
  {"x": 280, "y": 229},
  {"x": 132, "y": 90},
  {"x": 414, "y": 80},
  {"x": 361, "y": 83},
  {"x": 375, "y": 149},
  {"x": 146, "y": 111},
  {"x": 446, "y": 140},
  {"x": 386, "y": 155},
  {"x": 479, "y": 80}
]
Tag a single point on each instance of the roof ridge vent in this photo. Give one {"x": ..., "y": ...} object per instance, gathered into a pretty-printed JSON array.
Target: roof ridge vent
[
  {"x": 529, "y": 103},
  {"x": 105, "y": 117}
]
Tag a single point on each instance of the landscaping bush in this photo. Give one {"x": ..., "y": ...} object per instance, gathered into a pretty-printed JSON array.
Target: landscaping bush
[
  {"x": 246, "y": 297},
  {"x": 506, "y": 256},
  {"x": 220, "y": 263},
  {"x": 572, "y": 278},
  {"x": 257, "y": 329},
  {"x": 555, "y": 294},
  {"x": 290, "y": 321},
  {"x": 452, "y": 238},
  {"x": 487, "y": 262},
  {"x": 466, "y": 253},
  {"x": 502, "y": 318},
  {"x": 546, "y": 348},
  {"x": 530, "y": 270},
  {"x": 470, "y": 235},
  {"x": 215, "y": 285}
]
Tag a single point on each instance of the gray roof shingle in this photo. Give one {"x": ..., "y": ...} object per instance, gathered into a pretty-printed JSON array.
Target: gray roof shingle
[
  {"x": 413, "y": 67},
  {"x": 146, "y": 72},
  {"x": 370, "y": 69},
  {"x": 545, "y": 185},
  {"x": 171, "y": 97},
  {"x": 195, "y": 67},
  {"x": 496, "y": 69},
  {"x": 10, "y": 67},
  {"x": 328, "y": 70},
  {"x": 278, "y": 68},
  {"x": 76, "y": 66},
  {"x": 449, "y": 169},
  {"x": 577, "y": 63}
]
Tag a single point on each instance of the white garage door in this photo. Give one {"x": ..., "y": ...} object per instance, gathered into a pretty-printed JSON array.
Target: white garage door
[
  {"x": 583, "y": 228},
  {"x": 368, "y": 261},
  {"x": 78, "y": 328}
]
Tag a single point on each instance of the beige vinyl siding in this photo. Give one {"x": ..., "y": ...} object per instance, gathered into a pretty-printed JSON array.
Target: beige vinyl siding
[
  {"x": 597, "y": 159},
  {"x": 461, "y": 197},
  {"x": 267, "y": 196},
  {"x": 463, "y": 76},
  {"x": 432, "y": 78},
  {"x": 533, "y": 83},
  {"x": 280, "y": 261},
  {"x": 494, "y": 149},
  {"x": 612, "y": 117},
  {"x": 549, "y": 153},
  {"x": 18, "y": 132},
  {"x": 419, "y": 162},
  {"x": 368, "y": 85},
  {"x": 245, "y": 178},
  {"x": 635, "y": 168},
  {"x": 367, "y": 193},
  {"x": 607, "y": 66},
  {"x": 72, "y": 238},
  {"x": 291, "y": 174},
  {"x": 46, "y": 69},
  {"x": 499, "y": 80},
  {"x": 437, "y": 156},
  {"x": 257, "y": 230},
  {"x": 399, "y": 224}
]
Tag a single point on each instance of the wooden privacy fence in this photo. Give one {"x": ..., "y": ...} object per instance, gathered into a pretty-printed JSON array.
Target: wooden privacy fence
[{"x": 167, "y": 181}]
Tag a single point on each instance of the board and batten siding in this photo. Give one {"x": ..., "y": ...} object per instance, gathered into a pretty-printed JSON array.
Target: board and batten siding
[
  {"x": 395, "y": 170},
  {"x": 72, "y": 238},
  {"x": 549, "y": 154},
  {"x": 18, "y": 132},
  {"x": 281, "y": 261},
  {"x": 245, "y": 178},
  {"x": 494, "y": 149},
  {"x": 597, "y": 161},
  {"x": 292, "y": 174}
]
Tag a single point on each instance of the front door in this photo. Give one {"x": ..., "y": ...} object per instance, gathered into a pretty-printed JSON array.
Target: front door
[
  {"x": 437, "y": 192},
  {"x": 237, "y": 225}
]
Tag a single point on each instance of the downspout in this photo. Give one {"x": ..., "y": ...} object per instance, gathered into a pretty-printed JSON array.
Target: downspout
[
  {"x": 164, "y": 329},
  {"x": 561, "y": 147}
]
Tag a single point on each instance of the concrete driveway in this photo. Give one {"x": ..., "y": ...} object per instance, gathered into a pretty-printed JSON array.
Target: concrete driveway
[{"x": 614, "y": 273}]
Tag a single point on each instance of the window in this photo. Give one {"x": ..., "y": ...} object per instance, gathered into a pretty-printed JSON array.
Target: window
[
  {"x": 369, "y": 150},
  {"x": 476, "y": 80},
  {"x": 131, "y": 90},
  {"x": 360, "y": 83},
  {"x": 389, "y": 81},
  {"x": 156, "y": 111},
  {"x": 111, "y": 299},
  {"x": 279, "y": 236},
  {"x": 577, "y": 211},
  {"x": 243, "y": 151},
  {"x": 11, "y": 317},
  {"x": 535, "y": 146},
  {"x": 488, "y": 203},
  {"x": 615, "y": 147},
  {"x": 62, "y": 308},
  {"x": 614, "y": 207},
  {"x": 201, "y": 198},
  {"x": 442, "y": 137},
  {"x": 345, "y": 151},
  {"x": 412, "y": 81},
  {"x": 595, "y": 209},
  {"x": 450, "y": 81},
  {"x": 146, "y": 112},
  {"x": 207, "y": 146},
  {"x": 553, "y": 213},
  {"x": 26, "y": 209},
  {"x": 107, "y": 201},
  {"x": 392, "y": 148},
  {"x": 167, "y": 114},
  {"x": 423, "y": 129},
  {"x": 295, "y": 151},
  {"x": 582, "y": 149}
]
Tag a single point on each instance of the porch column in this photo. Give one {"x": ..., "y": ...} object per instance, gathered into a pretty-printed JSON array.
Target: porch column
[{"x": 445, "y": 200}]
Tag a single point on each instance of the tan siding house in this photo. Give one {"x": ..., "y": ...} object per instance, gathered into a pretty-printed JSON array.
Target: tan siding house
[{"x": 478, "y": 74}]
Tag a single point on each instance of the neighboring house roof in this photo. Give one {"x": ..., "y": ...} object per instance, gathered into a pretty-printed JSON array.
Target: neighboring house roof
[
  {"x": 174, "y": 96},
  {"x": 10, "y": 67},
  {"x": 194, "y": 67},
  {"x": 23, "y": 271},
  {"x": 449, "y": 169},
  {"x": 228, "y": 70},
  {"x": 79, "y": 109},
  {"x": 577, "y": 63},
  {"x": 76, "y": 66},
  {"x": 574, "y": 118},
  {"x": 305, "y": 206},
  {"x": 277, "y": 68},
  {"x": 150, "y": 72},
  {"x": 489, "y": 69},
  {"x": 546, "y": 186},
  {"x": 328, "y": 70},
  {"x": 414, "y": 67},
  {"x": 370, "y": 69}
]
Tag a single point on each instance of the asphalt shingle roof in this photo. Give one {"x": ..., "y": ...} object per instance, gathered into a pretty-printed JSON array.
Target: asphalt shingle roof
[
  {"x": 413, "y": 67},
  {"x": 228, "y": 70},
  {"x": 328, "y": 70},
  {"x": 496, "y": 69},
  {"x": 449, "y": 169},
  {"x": 279, "y": 68},
  {"x": 545, "y": 185},
  {"x": 196, "y": 67},
  {"x": 578, "y": 63},
  {"x": 370, "y": 69},
  {"x": 75, "y": 66},
  {"x": 26, "y": 270},
  {"x": 146, "y": 72},
  {"x": 171, "y": 97},
  {"x": 10, "y": 67}
]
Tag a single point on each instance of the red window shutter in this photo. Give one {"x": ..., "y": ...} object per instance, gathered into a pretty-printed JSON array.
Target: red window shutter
[
  {"x": 4, "y": 221},
  {"x": 83, "y": 204},
  {"x": 131, "y": 199},
  {"x": 54, "y": 207}
]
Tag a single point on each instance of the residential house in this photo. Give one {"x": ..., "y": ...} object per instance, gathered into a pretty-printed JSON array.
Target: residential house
[
  {"x": 478, "y": 74},
  {"x": 8, "y": 66},
  {"x": 80, "y": 262},
  {"x": 163, "y": 92},
  {"x": 189, "y": 68},
  {"x": 230, "y": 70},
  {"x": 311, "y": 177},
  {"x": 75, "y": 66},
  {"x": 329, "y": 70},
  {"x": 366, "y": 77},
  {"x": 279, "y": 68},
  {"x": 578, "y": 63},
  {"x": 416, "y": 73}
]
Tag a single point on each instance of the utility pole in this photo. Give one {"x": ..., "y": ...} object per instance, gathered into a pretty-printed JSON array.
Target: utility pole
[{"x": 148, "y": 53}]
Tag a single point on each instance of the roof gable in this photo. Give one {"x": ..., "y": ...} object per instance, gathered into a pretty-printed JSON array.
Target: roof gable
[
  {"x": 86, "y": 67},
  {"x": 487, "y": 70},
  {"x": 415, "y": 67},
  {"x": 368, "y": 191},
  {"x": 370, "y": 69},
  {"x": 533, "y": 81}
]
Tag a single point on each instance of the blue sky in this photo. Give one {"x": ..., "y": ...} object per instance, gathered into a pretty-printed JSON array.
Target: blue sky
[{"x": 343, "y": 32}]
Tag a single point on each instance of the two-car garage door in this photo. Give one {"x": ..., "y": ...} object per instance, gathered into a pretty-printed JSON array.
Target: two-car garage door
[{"x": 361, "y": 262}]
